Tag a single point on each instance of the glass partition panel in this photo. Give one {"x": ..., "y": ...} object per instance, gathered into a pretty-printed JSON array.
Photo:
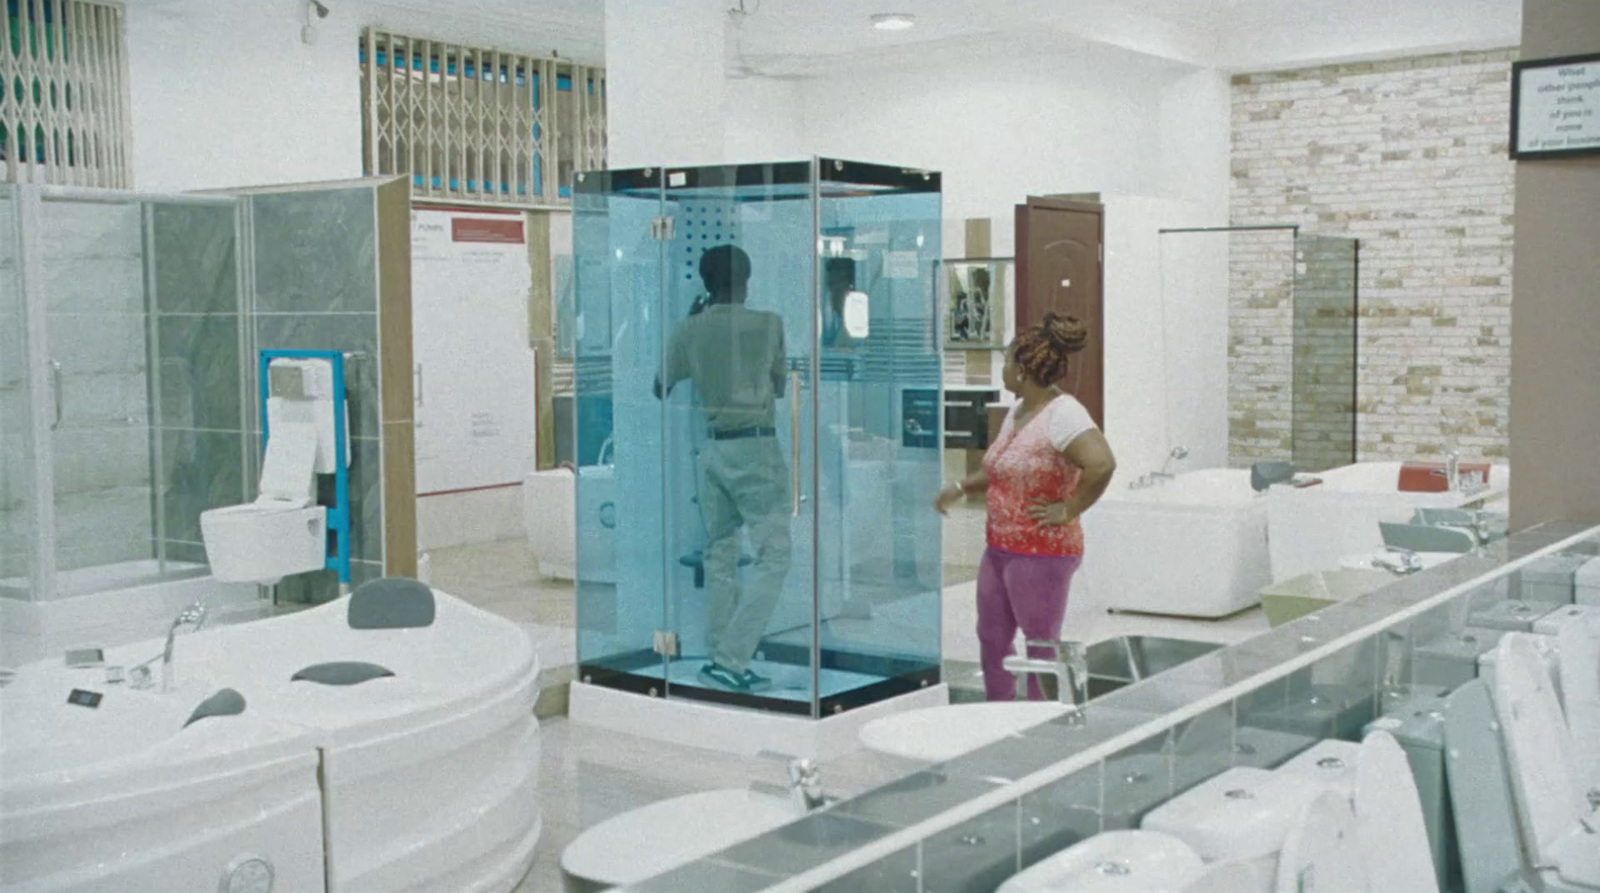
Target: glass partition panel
[
  {"x": 879, "y": 460},
  {"x": 96, "y": 320},
  {"x": 1324, "y": 380},
  {"x": 620, "y": 472},
  {"x": 17, "y": 540},
  {"x": 1325, "y": 676},
  {"x": 739, "y": 325}
]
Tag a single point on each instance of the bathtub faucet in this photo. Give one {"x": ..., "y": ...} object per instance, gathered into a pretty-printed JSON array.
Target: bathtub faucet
[
  {"x": 1070, "y": 666},
  {"x": 1178, "y": 454},
  {"x": 1404, "y": 562},
  {"x": 195, "y": 616}
]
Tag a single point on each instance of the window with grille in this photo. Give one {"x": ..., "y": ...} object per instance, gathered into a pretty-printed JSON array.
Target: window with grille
[
  {"x": 63, "y": 94},
  {"x": 479, "y": 125}
]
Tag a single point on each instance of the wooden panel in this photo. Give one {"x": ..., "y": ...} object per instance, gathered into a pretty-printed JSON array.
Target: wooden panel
[
  {"x": 399, "y": 499},
  {"x": 541, "y": 335},
  {"x": 394, "y": 302}
]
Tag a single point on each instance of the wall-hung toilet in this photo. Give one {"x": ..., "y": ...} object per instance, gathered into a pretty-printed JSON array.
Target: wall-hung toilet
[
  {"x": 1239, "y": 815},
  {"x": 1321, "y": 851},
  {"x": 1390, "y": 828},
  {"x": 1560, "y": 829},
  {"x": 1113, "y": 862},
  {"x": 283, "y": 531}
]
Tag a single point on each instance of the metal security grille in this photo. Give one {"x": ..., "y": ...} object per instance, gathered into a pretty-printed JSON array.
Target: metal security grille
[
  {"x": 479, "y": 125},
  {"x": 63, "y": 94}
]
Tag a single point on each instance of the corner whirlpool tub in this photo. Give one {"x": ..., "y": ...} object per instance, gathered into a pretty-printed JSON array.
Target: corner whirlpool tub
[
  {"x": 1195, "y": 546},
  {"x": 422, "y": 780}
]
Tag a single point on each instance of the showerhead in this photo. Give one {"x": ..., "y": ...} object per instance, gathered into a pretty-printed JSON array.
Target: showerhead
[
  {"x": 322, "y": 11},
  {"x": 1179, "y": 452}
]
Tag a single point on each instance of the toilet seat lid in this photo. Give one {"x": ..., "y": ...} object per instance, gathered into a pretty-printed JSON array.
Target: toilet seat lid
[
  {"x": 1390, "y": 826},
  {"x": 1539, "y": 747},
  {"x": 1321, "y": 851},
  {"x": 1579, "y": 640}
]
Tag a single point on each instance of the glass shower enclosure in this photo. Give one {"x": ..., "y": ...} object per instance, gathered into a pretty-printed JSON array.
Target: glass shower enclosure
[
  {"x": 112, "y": 399},
  {"x": 794, "y": 530}
]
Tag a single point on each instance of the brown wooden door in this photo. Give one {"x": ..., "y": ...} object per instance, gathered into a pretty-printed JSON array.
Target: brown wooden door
[{"x": 1059, "y": 267}]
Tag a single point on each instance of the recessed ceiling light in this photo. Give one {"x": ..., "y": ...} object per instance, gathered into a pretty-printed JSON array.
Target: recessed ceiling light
[{"x": 893, "y": 21}]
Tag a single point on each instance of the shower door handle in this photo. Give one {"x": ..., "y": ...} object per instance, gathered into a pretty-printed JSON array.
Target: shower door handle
[
  {"x": 55, "y": 389},
  {"x": 419, "y": 385},
  {"x": 794, "y": 442}
]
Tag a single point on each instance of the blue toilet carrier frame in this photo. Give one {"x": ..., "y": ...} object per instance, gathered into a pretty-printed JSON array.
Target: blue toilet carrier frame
[{"x": 339, "y": 512}]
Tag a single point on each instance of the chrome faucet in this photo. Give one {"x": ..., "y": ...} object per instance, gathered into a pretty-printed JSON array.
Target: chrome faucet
[
  {"x": 805, "y": 785},
  {"x": 1178, "y": 454},
  {"x": 1070, "y": 666},
  {"x": 805, "y": 782},
  {"x": 194, "y": 615},
  {"x": 1405, "y": 562}
]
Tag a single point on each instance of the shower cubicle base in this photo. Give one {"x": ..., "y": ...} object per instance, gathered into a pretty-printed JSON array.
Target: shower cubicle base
[{"x": 737, "y": 730}]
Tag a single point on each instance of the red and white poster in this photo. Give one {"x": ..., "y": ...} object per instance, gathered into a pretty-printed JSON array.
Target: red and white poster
[{"x": 474, "y": 376}]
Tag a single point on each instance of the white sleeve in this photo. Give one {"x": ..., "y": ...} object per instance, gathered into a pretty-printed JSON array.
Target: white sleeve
[{"x": 1068, "y": 419}]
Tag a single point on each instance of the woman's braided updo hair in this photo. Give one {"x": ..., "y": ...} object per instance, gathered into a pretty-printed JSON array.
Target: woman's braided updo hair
[{"x": 1042, "y": 350}]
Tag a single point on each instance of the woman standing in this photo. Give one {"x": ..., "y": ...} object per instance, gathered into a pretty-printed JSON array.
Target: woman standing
[{"x": 1045, "y": 468}]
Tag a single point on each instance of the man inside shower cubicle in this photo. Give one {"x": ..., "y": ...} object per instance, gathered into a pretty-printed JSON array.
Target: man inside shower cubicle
[{"x": 735, "y": 358}]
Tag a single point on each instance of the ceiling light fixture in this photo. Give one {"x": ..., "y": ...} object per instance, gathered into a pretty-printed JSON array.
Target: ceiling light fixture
[{"x": 894, "y": 21}]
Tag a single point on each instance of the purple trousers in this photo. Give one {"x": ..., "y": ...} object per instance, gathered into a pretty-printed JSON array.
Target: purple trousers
[{"x": 1027, "y": 592}]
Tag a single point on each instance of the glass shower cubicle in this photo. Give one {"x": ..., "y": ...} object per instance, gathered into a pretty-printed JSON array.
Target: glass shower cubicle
[
  {"x": 119, "y": 412},
  {"x": 756, "y": 349}
]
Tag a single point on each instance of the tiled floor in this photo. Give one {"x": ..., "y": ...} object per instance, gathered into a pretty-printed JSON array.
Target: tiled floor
[{"x": 588, "y": 775}]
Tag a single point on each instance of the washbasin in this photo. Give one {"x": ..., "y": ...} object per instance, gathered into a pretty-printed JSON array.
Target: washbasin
[
  {"x": 937, "y": 734},
  {"x": 1296, "y": 597},
  {"x": 654, "y": 839},
  {"x": 1124, "y": 660}
]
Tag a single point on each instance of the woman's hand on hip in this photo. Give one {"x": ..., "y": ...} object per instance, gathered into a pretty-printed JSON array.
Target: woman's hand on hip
[
  {"x": 947, "y": 497},
  {"x": 1051, "y": 514}
]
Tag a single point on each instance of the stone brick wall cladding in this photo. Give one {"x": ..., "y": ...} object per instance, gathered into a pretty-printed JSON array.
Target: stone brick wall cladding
[{"x": 1409, "y": 156}]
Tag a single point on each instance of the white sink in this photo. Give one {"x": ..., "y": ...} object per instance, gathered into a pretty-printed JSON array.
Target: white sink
[
  {"x": 937, "y": 734},
  {"x": 1289, "y": 599},
  {"x": 638, "y": 845}
]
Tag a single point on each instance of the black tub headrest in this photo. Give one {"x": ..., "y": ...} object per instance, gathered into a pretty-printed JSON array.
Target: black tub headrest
[
  {"x": 226, "y": 702},
  {"x": 342, "y": 672},
  {"x": 391, "y": 603}
]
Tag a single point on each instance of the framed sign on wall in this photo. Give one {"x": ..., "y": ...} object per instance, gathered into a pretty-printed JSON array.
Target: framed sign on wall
[{"x": 1555, "y": 107}]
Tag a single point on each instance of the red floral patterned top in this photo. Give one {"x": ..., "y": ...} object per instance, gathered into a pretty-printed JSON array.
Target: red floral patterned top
[{"x": 1027, "y": 464}]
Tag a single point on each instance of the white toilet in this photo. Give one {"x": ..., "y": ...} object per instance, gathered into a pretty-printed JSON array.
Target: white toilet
[
  {"x": 1560, "y": 830},
  {"x": 283, "y": 531},
  {"x": 1239, "y": 815},
  {"x": 1390, "y": 829},
  {"x": 1331, "y": 763},
  {"x": 1113, "y": 862},
  {"x": 1547, "y": 647},
  {"x": 1321, "y": 851},
  {"x": 1579, "y": 643}
]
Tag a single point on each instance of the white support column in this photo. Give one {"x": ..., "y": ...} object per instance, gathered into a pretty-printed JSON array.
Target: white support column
[{"x": 665, "y": 82}]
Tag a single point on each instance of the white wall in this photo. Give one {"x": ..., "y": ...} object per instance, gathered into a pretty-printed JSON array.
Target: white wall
[{"x": 225, "y": 92}]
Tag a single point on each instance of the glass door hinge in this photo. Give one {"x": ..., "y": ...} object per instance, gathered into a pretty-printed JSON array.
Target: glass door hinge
[
  {"x": 666, "y": 643},
  {"x": 661, "y": 229}
]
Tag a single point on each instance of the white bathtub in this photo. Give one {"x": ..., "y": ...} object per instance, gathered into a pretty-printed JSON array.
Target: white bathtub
[
  {"x": 1312, "y": 528},
  {"x": 1194, "y": 546},
  {"x": 425, "y": 780}
]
